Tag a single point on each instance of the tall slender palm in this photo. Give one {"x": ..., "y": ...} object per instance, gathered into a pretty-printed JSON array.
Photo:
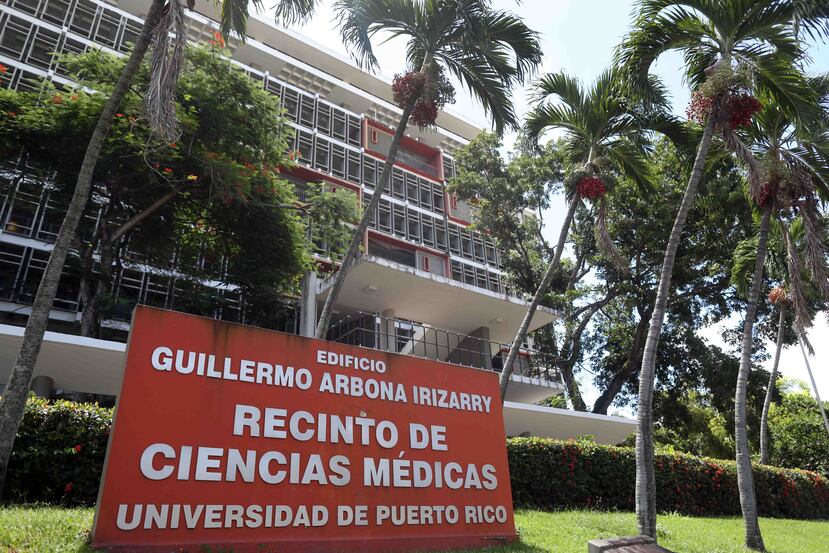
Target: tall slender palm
[
  {"x": 760, "y": 36},
  {"x": 786, "y": 166},
  {"x": 603, "y": 131},
  {"x": 487, "y": 50},
  {"x": 163, "y": 18}
]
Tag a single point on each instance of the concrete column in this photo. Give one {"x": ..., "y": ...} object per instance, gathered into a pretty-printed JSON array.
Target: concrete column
[
  {"x": 42, "y": 386},
  {"x": 388, "y": 332},
  {"x": 308, "y": 306}
]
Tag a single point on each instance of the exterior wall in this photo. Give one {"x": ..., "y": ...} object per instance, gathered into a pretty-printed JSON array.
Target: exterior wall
[{"x": 417, "y": 224}]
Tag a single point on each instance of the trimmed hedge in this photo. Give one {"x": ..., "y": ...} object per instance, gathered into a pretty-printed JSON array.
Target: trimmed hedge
[
  {"x": 59, "y": 453},
  {"x": 553, "y": 474}
]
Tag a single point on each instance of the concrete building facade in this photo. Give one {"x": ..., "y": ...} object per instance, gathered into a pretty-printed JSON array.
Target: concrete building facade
[{"x": 425, "y": 285}]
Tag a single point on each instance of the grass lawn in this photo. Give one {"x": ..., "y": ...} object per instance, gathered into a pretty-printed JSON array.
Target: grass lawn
[{"x": 52, "y": 529}]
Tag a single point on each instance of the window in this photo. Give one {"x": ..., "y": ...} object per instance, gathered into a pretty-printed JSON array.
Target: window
[
  {"x": 338, "y": 160},
  {"x": 44, "y": 45},
  {"x": 83, "y": 18},
  {"x": 28, "y": 6},
  {"x": 158, "y": 289},
  {"x": 290, "y": 102},
  {"x": 305, "y": 145},
  {"x": 400, "y": 223},
  {"x": 324, "y": 118},
  {"x": 426, "y": 263},
  {"x": 437, "y": 197},
  {"x": 494, "y": 284},
  {"x": 491, "y": 257},
  {"x": 480, "y": 278},
  {"x": 338, "y": 125},
  {"x": 322, "y": 155},
  {"x": 440, "y": 234},
  {"x": 355, "y": 131},
  {"x": 457, "y": 271},
  {"x": 354, "y": 167},
  {"x": 414, "y": 226},
  {"x": 14, "y": 37},
  {"x": 306, "y": 111},
  {"x": 369, "y": 172},
  {"x": 468, "y": 274},
  {"x": 11, "y": 260},
  {"x": 478, "y": 248},
  {"x": 107, "y": 32},
  {"x": 131, "y": 31},
  {"x": 453, "y": 201},
  {"x": 411, "y": 188},
  {"x": 425, "y": 188},
  {"x": 454, "y": 240},
  {"x": 372, "y": 220},
  {"x": 428, "y": 230},
  {"x": 373, "y": 136},
  {"x": 466, "y": 244},
  {"x": 448, "y": 167},
  {"x": 274, "y": 87},
  {"x": 384, "y": 220},
  {"x": 398, "y": 184}
]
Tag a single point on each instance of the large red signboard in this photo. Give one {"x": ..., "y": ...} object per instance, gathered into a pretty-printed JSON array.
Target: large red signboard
[{"x": 261, "y": 441}]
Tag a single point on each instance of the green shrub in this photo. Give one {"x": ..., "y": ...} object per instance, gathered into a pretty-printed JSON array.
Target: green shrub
[
  {"x": 58, "y": 453},
  {"x": 555, "y": 474}
]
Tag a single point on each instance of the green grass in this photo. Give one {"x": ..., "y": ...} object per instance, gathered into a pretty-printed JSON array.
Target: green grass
[{"x": 54, "y": 529}]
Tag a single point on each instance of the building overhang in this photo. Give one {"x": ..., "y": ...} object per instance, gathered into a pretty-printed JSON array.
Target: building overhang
[
  {"x": 376, "y": 285},
  {"x": 75, "y": 363},
  {"x": 521, "y": 419}
]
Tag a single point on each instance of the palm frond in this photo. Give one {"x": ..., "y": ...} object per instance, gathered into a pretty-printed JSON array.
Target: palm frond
[{"x": 289, "y": 12}]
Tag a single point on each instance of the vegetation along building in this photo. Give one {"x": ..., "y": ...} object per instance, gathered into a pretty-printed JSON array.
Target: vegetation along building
[{"x": 425, "y": 285}]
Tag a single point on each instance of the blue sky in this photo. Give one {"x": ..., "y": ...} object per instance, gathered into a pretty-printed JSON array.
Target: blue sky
[{"x": 579, "y": 36}]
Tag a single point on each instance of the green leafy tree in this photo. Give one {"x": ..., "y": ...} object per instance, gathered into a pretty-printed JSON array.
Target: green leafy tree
[
  {"x": 798, "y": 438},
  {"x": 487, "y": 50},
  {"x": 760, "y": 39},
  {"x": 603, "y": 138},
  {"x": 162, "y": 18}
]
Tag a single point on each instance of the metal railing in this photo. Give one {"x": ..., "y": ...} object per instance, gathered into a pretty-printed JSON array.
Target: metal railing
[{"x": 420, "y": 340}]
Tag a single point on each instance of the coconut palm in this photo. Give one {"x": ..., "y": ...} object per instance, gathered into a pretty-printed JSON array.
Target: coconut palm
[
  {"x": 487, "y": 50},
  {"x": 603, "y": 136},
  {"x": 716, "y": 37},
  {"x": 163, "y": 18}
]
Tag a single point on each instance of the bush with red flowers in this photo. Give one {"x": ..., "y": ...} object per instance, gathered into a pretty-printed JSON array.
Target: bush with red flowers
[
  {"x": 590, "y": 187},
  {"x": 554, "y": 474},
  {"x": 58, "y": 453}
]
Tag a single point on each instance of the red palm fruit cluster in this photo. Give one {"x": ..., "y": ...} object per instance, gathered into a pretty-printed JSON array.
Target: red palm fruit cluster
[
  {"x": 424, "y": 113},
  {"x": 741, "y": 108},
  {"x": 699, "y": 107},
  {"x": 768, "y": 194},
  {"x": 777, "y": 295},
  {"x": 590, "y": 187},
  {"x": 407, "y": 86}
]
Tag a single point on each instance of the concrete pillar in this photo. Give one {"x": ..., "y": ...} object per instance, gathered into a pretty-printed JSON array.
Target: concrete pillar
[
  {"x": 42, "y": 386},
  {"x": 388, "y": 332},
  {"x": 308, "y": 306}
]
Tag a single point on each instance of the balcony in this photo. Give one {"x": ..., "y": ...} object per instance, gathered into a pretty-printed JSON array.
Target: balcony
[{"x": 534, "y": 378}]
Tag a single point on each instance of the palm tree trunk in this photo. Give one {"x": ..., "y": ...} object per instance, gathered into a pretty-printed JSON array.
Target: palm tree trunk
[
  {"x": 764, "y": 418},
  {"x": 814, "y": 385},
  {"x": 506, "y": 372},
  {"x": 360, "y": 231},
  {"x": 745, "y": 478},
  {"x": 14, "y": 398},
  {"x": 645, "y": 476}
]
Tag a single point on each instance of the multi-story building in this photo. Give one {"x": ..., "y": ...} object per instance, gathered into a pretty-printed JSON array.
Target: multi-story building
[{"x": 425, "y": 285}]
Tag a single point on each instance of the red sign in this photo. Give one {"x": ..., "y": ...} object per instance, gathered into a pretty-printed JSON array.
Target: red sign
[{"x": 263, "y": 441}]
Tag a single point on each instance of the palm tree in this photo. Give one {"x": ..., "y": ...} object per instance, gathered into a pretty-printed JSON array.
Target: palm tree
[
  {"x": 163, "y": 18},
  {"x": 603, "y": 135},
  {"x": 786, "y": 170},
  {"x": 716, "y": 37},
  {"x": 487, "y": 50}
]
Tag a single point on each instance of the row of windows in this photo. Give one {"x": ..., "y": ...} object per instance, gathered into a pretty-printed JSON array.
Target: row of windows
[
  {"x": 21, "y": 269},
  {"x": 409, "y": 224},
  {"x": 476, "y": 276},
  {"x": 361, "y": 169},
  {"x": 85, "y": 19}
]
